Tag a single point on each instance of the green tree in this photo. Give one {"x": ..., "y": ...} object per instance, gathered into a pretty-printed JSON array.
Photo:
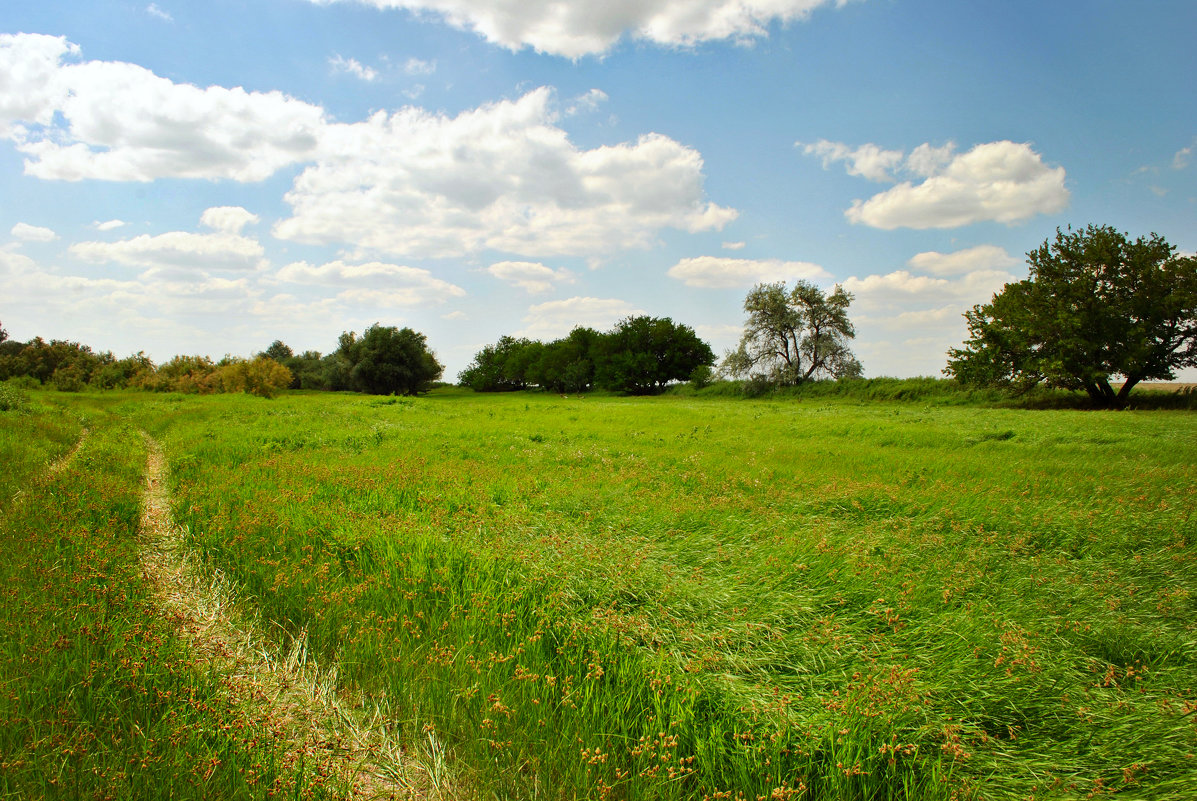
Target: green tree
[
  {"x": 388, "y": 360},
  {"x": 794, "y": 335},
  {"x": 643, "y": 354},
  {"x": 501, "y": 367},
  {"x": 279, "y": 351},
  {"x": 1095, "y": 306}
]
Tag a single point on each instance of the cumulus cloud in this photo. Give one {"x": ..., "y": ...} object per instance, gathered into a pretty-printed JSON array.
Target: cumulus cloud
[
  {"x": 557, "y": 318},
  {"x": 1183, "y": 158},
  {"x": 373, "y": 283},
  {"x": 1004, "y": 182},
  {"x": 714, "y": 272},
  {"x": 734, "y": 245},
  {"x": 33, "y": 233},
  {"x": 351, "y": 66},
  {"x": 121, "y": 122},
  {"x": 177, "y": 253},
  {"x": 866, "y": 161},
  {"x": 229, "y": 219},
  {"x": 575, "y": 29},
  {"x": 981, "y": 257},
  {"x": 108, "y": 225},
  {"x": 529, "y": 276},
  {"x": 502, "y": 176}
]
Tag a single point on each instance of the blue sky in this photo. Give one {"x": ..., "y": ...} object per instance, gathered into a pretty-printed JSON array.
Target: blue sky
[{"x": 207, "y": 178}]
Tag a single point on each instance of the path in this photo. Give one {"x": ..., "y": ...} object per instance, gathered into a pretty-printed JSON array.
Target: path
[{"x": 359, "y": 747}]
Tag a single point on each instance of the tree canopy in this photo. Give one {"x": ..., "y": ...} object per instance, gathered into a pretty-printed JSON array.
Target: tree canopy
[
  {"x": 640, "y": 355},
  {"x": 1095, "y": 306},
  {"x": 387, "y": 360},
  {"x": 794, "y": 335}
]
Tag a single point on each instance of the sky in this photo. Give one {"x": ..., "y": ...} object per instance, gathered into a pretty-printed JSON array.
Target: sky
[{"x": 206, "y": 178}]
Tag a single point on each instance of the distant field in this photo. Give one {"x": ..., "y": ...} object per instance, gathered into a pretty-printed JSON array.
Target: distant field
[{"x": 702, "y": 597}]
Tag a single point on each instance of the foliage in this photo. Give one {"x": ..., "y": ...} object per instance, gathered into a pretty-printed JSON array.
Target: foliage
[
  {"x": 689, "y": 597},
  {"x": 643, "y": 354},
  {"x": 263, "y": 376},
  {"x": 793, "y": 336},
  {"x": 389, "y": 361},
  {"x": 1096, "y": 305},
  {"x": 638, "y": 356},
  {"x": 12, "y": 399},
  {"x": 278, "y": 351}
]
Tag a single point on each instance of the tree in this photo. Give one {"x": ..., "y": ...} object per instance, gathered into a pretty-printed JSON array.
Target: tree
[
  {"x": 791, "y": 336},
  {"x": 643, "y": 354},
  {"x": 279, "y": 351},
  {"x": 501, "y": 367},
  {"x": 388, "y": 360},
  {"x": 1095, "y": 306}
]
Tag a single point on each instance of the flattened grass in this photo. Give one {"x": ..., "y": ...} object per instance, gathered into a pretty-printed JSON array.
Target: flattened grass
[{"x": 679, "y": 598}]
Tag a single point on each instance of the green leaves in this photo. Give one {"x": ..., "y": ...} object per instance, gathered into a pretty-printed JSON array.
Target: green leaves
[{"x": 1096, "y": 305}]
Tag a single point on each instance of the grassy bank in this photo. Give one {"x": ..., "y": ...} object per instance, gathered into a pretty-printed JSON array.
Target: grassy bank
[{"x": 679, "y": 598}]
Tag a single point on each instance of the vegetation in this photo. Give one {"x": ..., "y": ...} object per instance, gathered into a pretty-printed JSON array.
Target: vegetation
[
  {"x": 1096, "y": 305},
  {"x": 100, "y": 698},
  {"x": 794, "y": 336},
  {"x": 639, "y": 356},
  {"x": 678, "y": 597}
]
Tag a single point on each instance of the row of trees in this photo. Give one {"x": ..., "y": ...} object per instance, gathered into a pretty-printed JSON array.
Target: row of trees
[
  {"x": 640, "y": 355},
  {"x": 384, "y": 360}
]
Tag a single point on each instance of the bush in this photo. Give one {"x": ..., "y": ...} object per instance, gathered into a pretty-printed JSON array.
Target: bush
[{"x": 12, "y": 399}]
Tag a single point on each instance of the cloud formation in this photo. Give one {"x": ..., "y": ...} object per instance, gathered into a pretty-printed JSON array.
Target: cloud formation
[
  {"x": 33, "y": 233},
  {"x": 229, "y": 219},
  {"x": 373, "y": 283},
  {"x": 120, "y": 122},
  {"x": 715, "y": 272},
  {"x": 981, "y": 257},
  {"x": 1003, "y": 181},
  {"x": 502, "y": 176},
  {"x": 532, "y": 277},
  {"x": 177, "y": 253},
  {"x": 351, "y": 66},
  {"x": 575, "y": 29},
  {"x": 557, "y": 318}
]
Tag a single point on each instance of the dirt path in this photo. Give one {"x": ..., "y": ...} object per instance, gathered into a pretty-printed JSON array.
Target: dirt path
[{"x": 351, "y": 740}]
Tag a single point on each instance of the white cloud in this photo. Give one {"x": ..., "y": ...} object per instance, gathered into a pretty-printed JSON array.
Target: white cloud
[
  {"x": 33, "y": 233},
  {"x": 228, "y": 219},
  {"x": 108, "y": 225},
  {"x": 121, "y": 122},
  {"x": 714, "y": 272},
  {"x": 416, "y": 66},
  {"x": 866, "y": 161},
  {"x": 153, "y": 10},
  {"x": 502, "y": 176},
  {"x": 177, "y": 253},
  {"x": 351, "y": 66},
  {"x": 1183, "y": 158},
  {"x": 734, "y": 245},
  {"x": 455, "y": 315},
  {"x": 1005, "y": 182},
  {"x": 529, "y": 276},
  {"x": 574, "y": 29},
  {"x": 590, "y": 101},
  {"x": 557, "y": 318},
  {"x": 373, "y": 283},
  {"x": 981, "y": 257}
]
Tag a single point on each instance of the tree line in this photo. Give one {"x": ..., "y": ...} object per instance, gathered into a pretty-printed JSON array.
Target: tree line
[
  {"x": 383, "y": 360},
  {"x": 639, "y": 356}
]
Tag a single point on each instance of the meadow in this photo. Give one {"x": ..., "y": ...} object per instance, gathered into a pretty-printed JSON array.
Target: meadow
[{"x": 695, "y": 597}]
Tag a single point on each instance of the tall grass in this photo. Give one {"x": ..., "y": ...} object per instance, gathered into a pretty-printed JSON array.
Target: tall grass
[
  {"x": 99, "y": 697},
  {"x": 687, "y": 598}
]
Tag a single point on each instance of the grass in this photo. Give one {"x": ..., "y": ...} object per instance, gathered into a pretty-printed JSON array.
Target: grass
[
  {"x": 99, "y": 696},
  {"x": 689, "y": 597}
]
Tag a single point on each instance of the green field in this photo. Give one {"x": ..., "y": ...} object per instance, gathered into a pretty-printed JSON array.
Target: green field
[{"x": 689, "y": 597}]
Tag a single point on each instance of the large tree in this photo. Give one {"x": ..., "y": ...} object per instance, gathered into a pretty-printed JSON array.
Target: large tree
[
  {"x": 643, "y": 354},
  {"x": 1095, "y": 306},
  {"x": 794, "y": 335},
  {"x": 388, "y": 360}
]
